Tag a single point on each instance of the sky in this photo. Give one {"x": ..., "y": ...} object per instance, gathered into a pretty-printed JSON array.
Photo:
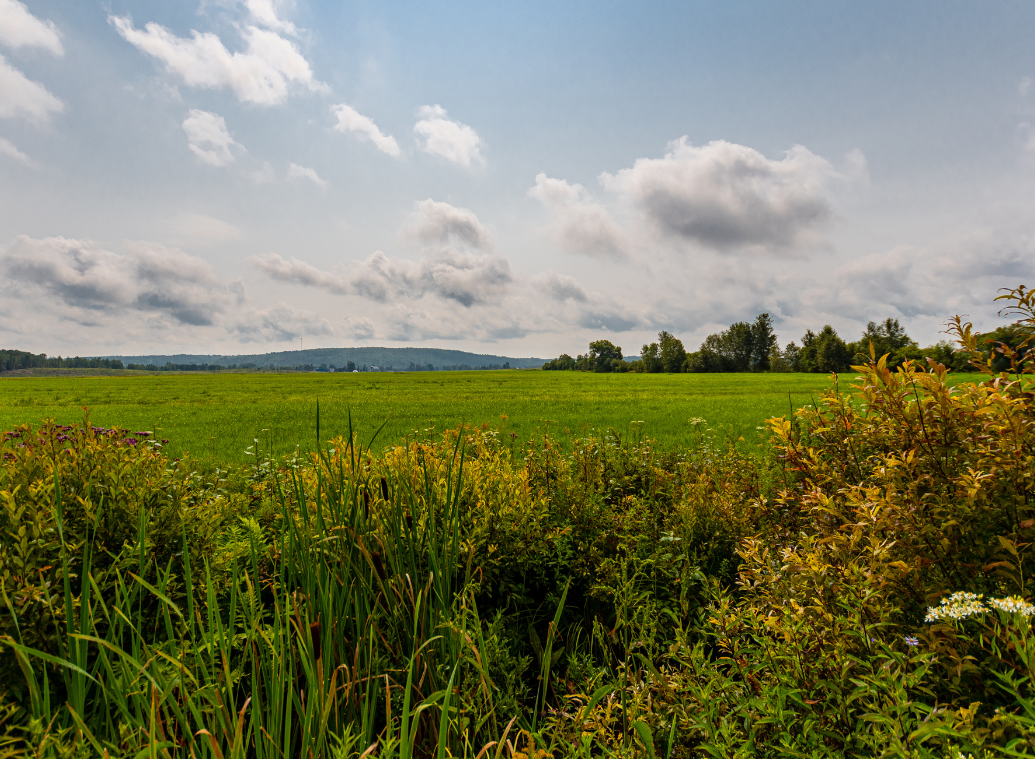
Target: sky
[{"x": 244, "y": 176}]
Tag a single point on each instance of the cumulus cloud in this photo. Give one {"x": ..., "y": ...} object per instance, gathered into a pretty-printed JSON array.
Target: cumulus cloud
[
  {"x": 438, "y": 222},
  {"x": 20, "y": 97},
  {"x": 19, "y": 28},
  {"x": 299, "y": 272},
  {"x": 150, "y": 279},
  {"x": 209, "y": 139},
  {"x": 466, "y": 278},
  {"x": 263, "y": 74},
  {"x": 582, "y": 225},
  {"x": 301, "y": 172},
  {"x": 729, "y": 197},
  {"x": 8, "y": 150},
  {"x": 350, "y": 121},
  {"x": 448, "y": 139}
]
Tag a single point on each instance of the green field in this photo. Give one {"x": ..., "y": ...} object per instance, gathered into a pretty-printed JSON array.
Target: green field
[{"x": 216, "y": 417}]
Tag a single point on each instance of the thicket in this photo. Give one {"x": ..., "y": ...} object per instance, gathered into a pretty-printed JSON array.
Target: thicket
[
  {"x": 11, "y": 360},
  {"x": 862, "y": 589}
]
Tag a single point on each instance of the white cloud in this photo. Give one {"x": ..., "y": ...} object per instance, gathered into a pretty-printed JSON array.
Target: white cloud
[
  {"x": 19, "y": 28},
  {"x": 350, "y": 121},
  {"x": 98, "y": 285},
  {"x": 265, "y": 13},
  {"x": 9, "y": 150},
  {"x": 299, "y": 272},
  {"x": 465, "y": 278},
  {"x": 209, "y": 139},
  {"x": 301, "y": 172},
  {"x": 583, "y": 225},
  {"x": 437, "y": 222},
  {"x": 449, "y": 139},
  {"x": 262, "y": 75},
  {"x": 730, "y": 197},
  {"x": 23, "y": 98}
]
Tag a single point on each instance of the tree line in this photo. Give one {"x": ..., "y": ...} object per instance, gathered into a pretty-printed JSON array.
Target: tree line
[
  {"x": 10, "y": 360},
  {"x": 753, "y": 347}
]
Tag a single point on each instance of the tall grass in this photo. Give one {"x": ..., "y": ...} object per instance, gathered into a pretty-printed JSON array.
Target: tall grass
[{"x": 353, "y": 640}]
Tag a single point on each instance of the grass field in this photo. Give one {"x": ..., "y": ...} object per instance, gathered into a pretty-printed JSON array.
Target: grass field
[{"x": 216, "y": 417}]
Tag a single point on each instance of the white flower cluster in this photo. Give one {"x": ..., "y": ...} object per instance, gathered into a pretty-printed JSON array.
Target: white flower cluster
[
  {"x": 1013, "y": 605},
  {"x": 962, "y": 605},
  {"x": 958, "y": 606}
]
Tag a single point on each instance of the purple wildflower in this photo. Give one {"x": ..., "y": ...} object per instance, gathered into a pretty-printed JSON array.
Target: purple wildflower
[
  {"x": 129, "y": 440},
  {"x": 142, "y": 434},
  {"x": 911, "y": 641}
]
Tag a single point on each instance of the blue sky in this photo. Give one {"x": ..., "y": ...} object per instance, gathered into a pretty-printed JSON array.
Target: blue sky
[{"x": 231, "y": 176}]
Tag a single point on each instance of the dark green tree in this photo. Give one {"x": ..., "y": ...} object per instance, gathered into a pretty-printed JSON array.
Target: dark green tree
[
  {"x": 605, "y": 356},
  {"x": 671, "y": 352},
  {"x": 763, "y": 343},
  {"x": 825, "y": 352},
  {"x": 650, "y": 355}
]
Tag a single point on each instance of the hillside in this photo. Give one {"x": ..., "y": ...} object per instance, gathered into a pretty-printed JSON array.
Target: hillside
[{"x": 384, "y": 358}]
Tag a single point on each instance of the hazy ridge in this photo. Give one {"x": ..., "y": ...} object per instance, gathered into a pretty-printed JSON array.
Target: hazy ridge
[{"x": 397, "y": 358}]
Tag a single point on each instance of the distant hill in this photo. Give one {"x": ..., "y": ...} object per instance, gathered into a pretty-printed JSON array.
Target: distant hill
[{"x": 397, "y": 359}]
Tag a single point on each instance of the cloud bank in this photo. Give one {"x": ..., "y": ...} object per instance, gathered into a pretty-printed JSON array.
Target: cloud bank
[{"x": 87, "y": 278}]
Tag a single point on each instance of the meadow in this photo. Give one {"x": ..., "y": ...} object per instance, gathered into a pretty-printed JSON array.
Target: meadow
[{"x": 216, "y": 417}]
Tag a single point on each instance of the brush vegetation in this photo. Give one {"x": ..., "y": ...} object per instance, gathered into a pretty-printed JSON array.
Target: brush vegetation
[{"x": 860, "y": 588}]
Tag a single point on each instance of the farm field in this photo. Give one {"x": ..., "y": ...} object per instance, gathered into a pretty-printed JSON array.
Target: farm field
[{"x": 216, "y": 417}]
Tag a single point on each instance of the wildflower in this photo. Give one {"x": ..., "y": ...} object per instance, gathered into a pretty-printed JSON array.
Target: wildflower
[
  {"x": 911, "y": 641},
  {"x": 1013, "y": 604},
  {"x": 958, "y": 606}
]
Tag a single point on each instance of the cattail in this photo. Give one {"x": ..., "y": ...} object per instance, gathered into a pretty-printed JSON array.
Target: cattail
[
  {"x": 384, "y": 488},
  {"x": 409, "y": 521},
  {"x": 379, "y": 567},
  {"x": 366, "y": 503}
]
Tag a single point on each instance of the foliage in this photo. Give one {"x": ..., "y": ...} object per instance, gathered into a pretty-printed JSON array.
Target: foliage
[
  {"x": 744, "y": 347},
  {"x": 666, "y": 355}
]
